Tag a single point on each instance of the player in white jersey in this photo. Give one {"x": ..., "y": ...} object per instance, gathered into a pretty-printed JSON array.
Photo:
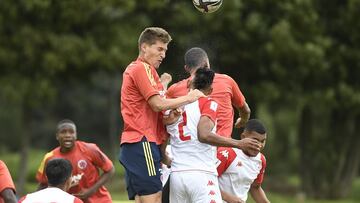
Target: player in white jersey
[
  {"x": 193, "y": 140},
  {"x": 58, "y": 173},
  {"x": 241, "y": 171}
]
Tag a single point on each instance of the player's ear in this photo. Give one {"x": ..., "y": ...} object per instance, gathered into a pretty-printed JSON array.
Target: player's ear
[
  {"x": 143, "y": 47},
  {"x": 187, "y": 69},
  {"x": 242, "y": 136}
]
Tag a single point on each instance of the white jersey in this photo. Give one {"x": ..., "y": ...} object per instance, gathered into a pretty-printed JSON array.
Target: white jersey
[
  {"x": 237, "y": 171},
  {"x": 47, "y": 195},
  {"x": 188, "y": 152}
]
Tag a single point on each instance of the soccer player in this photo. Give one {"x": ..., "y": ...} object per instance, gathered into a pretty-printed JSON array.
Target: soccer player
[
  {"x": 7, "y": 187},
  {"x": 225, "y": 92},
  {"x": 142, "y": 100},
  {"x": 58, "y": 172},
  {"x": 243, "y": 170},
  {"x": 193, "y": 140},
  {"x": 87, "y": 161}
]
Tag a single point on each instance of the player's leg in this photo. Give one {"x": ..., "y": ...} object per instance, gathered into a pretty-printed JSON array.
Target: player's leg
[
  {"x": 142, "y": 171},
  {"x": 203, "y": 187},
  {"x": 178, "y": 189}
]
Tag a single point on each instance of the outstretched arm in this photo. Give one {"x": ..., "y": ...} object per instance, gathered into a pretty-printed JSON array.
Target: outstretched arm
[
  {"x": 205, "y": 135},
  {"x": 8, "y": 195},
  {"x": 244, "y": 115},
  {"x": 229, "y": 198},
  {"x": 258, "y": 194}
]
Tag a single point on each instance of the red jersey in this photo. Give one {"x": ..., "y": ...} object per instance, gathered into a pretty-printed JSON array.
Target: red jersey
[
  {"x": 6, "y": 180},
  {"x": 140, "y": 82},
  {"x": 225, "y": 92},
  {"x": 86, "y": 159}
]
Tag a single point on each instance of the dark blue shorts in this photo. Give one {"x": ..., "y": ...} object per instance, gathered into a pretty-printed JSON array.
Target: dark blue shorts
[{"x": 141, "y": 161}]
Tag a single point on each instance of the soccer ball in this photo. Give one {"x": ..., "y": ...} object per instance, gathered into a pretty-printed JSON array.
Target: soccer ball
[{"x": 207, "y": 6}]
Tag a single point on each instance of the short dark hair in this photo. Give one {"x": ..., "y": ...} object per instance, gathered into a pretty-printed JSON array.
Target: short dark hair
[
  {"x": 152, "y": 34},
  {"x": 255, "y": 125},
  {"x": 195, "y": 57},
  {"x": 60, "y": 123},
  {"x": 203, "y": 78},
  {"x": 58, "y": 171}
]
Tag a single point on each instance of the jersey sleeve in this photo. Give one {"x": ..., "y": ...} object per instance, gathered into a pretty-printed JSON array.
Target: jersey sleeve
[
  {"x": 144, "y": 80},
  {"x": 226, "y": 156},
  {"x": 40, "y": 174},
  {"x": 260, "y": 176},
  {"x": 208, "y": 107},
  {"x": 5, "y": 177},
  {"x": 238, "y": 98},
  {"x": 99, "y": 158}
]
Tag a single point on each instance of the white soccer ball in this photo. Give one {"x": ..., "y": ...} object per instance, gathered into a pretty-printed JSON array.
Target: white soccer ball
[{"x": 207, "y": 6}]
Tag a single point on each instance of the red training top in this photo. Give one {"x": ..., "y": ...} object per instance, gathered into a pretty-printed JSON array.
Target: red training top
[
  {"x": 140, "y": 82},
  {"x": 225, "y": 92},
  {"x": 6, "y": 180},
  {"x": 86, "y": 159}
]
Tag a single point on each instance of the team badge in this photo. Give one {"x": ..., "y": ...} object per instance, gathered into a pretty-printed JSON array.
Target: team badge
[{"x": 82, "y": 164}]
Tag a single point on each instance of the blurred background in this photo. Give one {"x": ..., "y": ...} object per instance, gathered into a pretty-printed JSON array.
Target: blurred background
[{"x": 296, "y": 61}]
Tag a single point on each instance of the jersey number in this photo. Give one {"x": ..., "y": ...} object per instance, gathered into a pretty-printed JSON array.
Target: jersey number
[{"x": 181, "y": 128}]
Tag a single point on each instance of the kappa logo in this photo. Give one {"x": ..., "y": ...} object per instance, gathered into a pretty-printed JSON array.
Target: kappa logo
[
  {"x": 239, "y": 164},
  {"x": 212, "y": 192},
  {"x": 212, "y": 201},
  {"x": 82, "y": 164},
  {"x": 210, "y": 183},
  {"x": 225, "y": 153}
]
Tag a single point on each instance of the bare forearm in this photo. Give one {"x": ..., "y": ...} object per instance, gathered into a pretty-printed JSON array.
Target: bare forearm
[
  {"x": 106, "y": 176},
  {"x": 258, "y": 194},
  {"x": 217, "y": 140},
  {"x": 166, "y": 104}
]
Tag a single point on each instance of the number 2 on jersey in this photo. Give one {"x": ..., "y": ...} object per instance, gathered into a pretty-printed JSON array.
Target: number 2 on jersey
[{"x": 181, "y": 128}]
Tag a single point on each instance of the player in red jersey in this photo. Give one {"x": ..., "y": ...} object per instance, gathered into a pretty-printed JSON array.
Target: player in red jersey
[
  {"x": 58, "y": 173},
  {"x": 86, "y": 159},
  {"x": 142, "y": 100},
  {"x": 7, "y": 187},
  {"x": 225, "y": 92},
  {"x": 241, "y": 171}
]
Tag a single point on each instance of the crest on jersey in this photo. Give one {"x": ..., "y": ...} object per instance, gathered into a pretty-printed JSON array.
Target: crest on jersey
[
  {"x": 82, "y": 164},
  {"x": 213, "y": 105}
]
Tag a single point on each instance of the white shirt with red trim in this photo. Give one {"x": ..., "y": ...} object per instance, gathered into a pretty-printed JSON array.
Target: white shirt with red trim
[
  {"x": 189, "y": 154},
  {"x": 52, "y": 194},
  {"x": 237, "y": 171}
]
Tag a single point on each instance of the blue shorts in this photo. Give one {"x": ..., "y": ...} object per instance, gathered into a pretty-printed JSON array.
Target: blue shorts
[{"x": 141, "y": 161}]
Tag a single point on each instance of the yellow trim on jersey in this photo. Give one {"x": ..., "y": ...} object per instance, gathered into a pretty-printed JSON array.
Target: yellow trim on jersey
[
  {"x": 149, "y": 74},
  {"x": 149, "y": 159},
  {"x": 42, "y": 164}
]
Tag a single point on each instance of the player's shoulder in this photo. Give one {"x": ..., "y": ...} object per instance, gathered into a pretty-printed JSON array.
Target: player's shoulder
[
  {"x": 178, "y": 84},
  {"x": 137, "y": 65},
  {"x": 222, "y": 76}
]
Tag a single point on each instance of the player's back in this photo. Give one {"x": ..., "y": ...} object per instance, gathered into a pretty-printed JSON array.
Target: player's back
[{"x": 188, "y": 152}]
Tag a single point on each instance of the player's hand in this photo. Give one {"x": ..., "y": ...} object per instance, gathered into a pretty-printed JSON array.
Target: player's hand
[
  {"x": 165, "y": 79},
  {"x": 85, "y": 194},
  {"x": 249, "y": 144},
  {"x": 194, "y": 95},
  {"x": 240, "y": 122}
]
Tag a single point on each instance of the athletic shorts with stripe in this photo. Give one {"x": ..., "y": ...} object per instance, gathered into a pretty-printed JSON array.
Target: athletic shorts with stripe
[{"x": 141, "y": 161}]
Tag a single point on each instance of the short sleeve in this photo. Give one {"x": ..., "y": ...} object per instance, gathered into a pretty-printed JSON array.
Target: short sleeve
[
  {"x": 226, "y": 156},
  {"x": 208, "y": 107},
  {"x": 238, "y": 98},
  {"x": 260, "y": 176},
  {"x": 5, "y": 177},
  {"x": 144, "y": 80},
  {"x": 99, "y": 158},
  {"x": 40, "y": 174}
]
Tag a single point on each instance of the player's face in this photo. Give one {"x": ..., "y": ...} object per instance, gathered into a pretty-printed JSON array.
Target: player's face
[
  {"x": 261, "y": 138},
  {"x": 154, "y": 53},
  {"x": 66, "y": 137}
]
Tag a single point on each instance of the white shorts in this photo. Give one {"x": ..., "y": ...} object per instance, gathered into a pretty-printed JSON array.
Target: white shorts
[{"x": 194, "y": 186}]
